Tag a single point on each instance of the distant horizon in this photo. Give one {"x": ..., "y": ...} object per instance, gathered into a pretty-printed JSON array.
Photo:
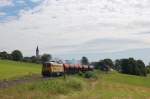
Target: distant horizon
[{"x": 138, "y": 54}]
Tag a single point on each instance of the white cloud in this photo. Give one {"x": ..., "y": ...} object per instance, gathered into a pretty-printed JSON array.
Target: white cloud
[
  {"x": 5, "y": 3},
  {"x": 64, "y": 26}
]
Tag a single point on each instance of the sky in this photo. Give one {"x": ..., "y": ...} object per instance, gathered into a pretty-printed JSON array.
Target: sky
[{"x": 75, "y": 28}]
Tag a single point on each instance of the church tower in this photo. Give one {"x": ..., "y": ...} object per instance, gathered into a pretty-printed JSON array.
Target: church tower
[{"x": 37, "y": 52}]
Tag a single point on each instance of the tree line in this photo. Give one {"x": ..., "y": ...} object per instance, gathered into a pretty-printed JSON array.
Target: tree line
[
  {"x": 126, "y": 66},
  {"x": 17, "y": 55}
]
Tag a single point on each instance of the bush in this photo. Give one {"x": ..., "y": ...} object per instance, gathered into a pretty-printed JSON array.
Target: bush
[
  {"x": 81, "y": 74},
  {"x": 90, "y": 74}
]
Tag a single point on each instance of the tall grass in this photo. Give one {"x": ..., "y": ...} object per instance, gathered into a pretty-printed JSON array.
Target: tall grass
[
  {"x": 45, "y": 88},
  {"x": 56, "y": 86}
]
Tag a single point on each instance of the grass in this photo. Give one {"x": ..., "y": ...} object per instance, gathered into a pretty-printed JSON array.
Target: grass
[
  {"x": 45, "y": 89},
  {"x": 111, "y": 85},
  {"x": 128, "y": 79},
  {"x": 116, "y": 86},
  {"x": 11, "y": 69},
  {"x": 106, "y": 86}
]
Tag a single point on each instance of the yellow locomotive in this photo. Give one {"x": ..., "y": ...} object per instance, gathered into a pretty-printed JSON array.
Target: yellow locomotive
[{"x": 52, "y": 69}]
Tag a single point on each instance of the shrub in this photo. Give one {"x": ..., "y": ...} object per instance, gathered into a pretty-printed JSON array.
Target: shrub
[
  {"x": 81, "y": 74},
  {"x": 90, "y": 74}
]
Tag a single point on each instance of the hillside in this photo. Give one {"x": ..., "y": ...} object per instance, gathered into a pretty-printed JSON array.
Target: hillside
[
  {"x": 111, "y": 85},
  {"x": 11, "y": 69}
]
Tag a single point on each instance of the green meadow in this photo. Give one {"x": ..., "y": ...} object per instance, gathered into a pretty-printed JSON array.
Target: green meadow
[
  {"x": 11, "y": 69},
  {"x": 110, "y": 85}
]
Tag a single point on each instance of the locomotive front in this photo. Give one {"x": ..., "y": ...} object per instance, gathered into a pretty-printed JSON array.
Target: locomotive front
[{"x": 52, "y": 69}]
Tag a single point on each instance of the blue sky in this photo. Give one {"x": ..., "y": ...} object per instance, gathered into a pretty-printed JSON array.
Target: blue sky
[
  {"x": 13, "y": 9},
  {"x": 73, "y": 28}
]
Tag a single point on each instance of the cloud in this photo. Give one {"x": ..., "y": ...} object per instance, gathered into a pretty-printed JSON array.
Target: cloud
[
  {"x": 79, "y": 26},
  {"x": 5, "y": 3}
]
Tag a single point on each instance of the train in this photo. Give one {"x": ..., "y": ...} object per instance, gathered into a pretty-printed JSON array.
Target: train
[{"x": 51, "y": 68}]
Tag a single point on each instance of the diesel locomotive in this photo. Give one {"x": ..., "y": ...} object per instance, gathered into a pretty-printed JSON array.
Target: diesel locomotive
[{"x": 58, "y": 69}]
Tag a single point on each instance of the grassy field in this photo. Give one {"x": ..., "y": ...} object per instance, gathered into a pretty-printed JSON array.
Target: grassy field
[
  {"x": 10, "y": 69},
  {"x": 117, "y": 86},
  {"x": 111, "y": 85},
  {"x": 106, "y": 86}
]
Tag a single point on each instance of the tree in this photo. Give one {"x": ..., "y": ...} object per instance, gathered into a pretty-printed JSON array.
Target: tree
[
  {"x": 35, "y": 59},
  {"x": 142, "y": 67},
  {"x": 117, "y": 65},
  {"x": 125, "y": 66},
  {"x": 84, "y": 60},
  {"x": 4, "y": 55},
  {"x": 103, "y": 65},
  {"x": 9, "y": 56},
  {"x": 96, "y": 65},
  {"x": 133, "y": 67},
  {"x": 46, "y": 57},
  {"x": 148, "y": 69},
  {"x": 108, "y": 62},
  {"x": 17, "y": 55},
  {"x": 27, "y": 59}
]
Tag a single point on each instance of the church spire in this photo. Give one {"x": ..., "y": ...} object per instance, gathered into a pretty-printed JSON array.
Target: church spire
[{"x": 37, "y": 51}]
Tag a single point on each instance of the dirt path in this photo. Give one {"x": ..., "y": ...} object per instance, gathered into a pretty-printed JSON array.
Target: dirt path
[{"x": 22, "y": 80}]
